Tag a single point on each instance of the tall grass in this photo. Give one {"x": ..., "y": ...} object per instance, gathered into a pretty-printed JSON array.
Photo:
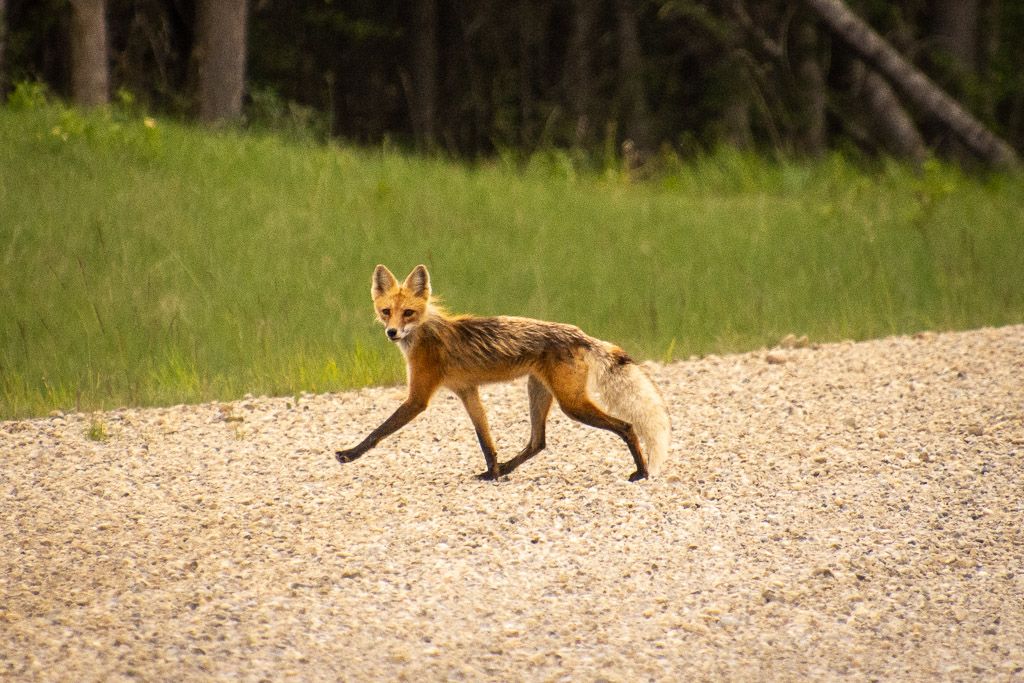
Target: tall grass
[{"x": 143, "y": 262}]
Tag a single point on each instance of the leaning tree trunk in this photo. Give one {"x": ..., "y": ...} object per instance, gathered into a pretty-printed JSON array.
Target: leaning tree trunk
[
  {"x": 89, "y": 68},
  {"x": 221, "y": 57},
  {"x": 894, "y": 125},
  {"x": 914, "y": 85}
]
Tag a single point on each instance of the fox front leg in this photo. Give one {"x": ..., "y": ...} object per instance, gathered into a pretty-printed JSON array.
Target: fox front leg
[
  {"x": 471, "y": 400},
  {"x": 348, "y": 455},
  {"x": 401, "y": 417},
  {"x": 422, "y": 386}
]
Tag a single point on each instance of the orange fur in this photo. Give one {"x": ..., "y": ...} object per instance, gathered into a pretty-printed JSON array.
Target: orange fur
[{"x": 463, "y": 352}]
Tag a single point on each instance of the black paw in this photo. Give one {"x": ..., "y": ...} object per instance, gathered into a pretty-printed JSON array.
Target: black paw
[
  {"x": 488, "y": 476},
  {"x": 637, "y": 476},
  {"x": 346, "y": 456}
]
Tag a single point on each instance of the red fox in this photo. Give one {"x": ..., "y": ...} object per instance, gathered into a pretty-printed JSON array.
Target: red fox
[{"x": 462, "y": 352}]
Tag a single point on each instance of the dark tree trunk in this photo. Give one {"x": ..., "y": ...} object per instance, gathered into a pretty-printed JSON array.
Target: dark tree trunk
[
  {"x": 813, "y": 96},
  {"x": 990, "y": 33},
  {"x": 956, "y": 28},
  {"x": 527, "y": 41},
  {"x": 736, "y": 128},
  {"x": 632, "y": 95},
  {"x": 893, "y": 125},
  {"x": 424, "y": 70},
  {"x": 914, "y": 85},
  {"x": 89, "y": 64},
  {"x": 744, "y": 90},
  {"x": 579, "y": 71},
  {"x": 3, "y": 45},
  {"x": 221, "y": 51},
  {"x": 472, "y": 133}
]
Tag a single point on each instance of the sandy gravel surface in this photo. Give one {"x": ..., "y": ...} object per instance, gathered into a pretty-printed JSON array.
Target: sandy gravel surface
[{"x": 854, "y": 511}]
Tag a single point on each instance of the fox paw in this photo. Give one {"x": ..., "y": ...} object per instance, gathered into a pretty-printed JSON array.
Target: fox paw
[
  {"x": 346, "y": 456},
  {"x": 637, "y": 476},
  {"x": 488, "y": 476}
]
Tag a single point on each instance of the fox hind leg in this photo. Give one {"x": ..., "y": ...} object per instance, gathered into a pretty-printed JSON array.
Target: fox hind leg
[
  {"x": 589, "y": 414},
  {"x": 569, "y": 386},
  {"x": 540, "y": 405}
]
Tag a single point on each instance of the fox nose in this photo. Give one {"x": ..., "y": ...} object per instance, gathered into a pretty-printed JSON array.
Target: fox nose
[{"x": 392, "y": 332}]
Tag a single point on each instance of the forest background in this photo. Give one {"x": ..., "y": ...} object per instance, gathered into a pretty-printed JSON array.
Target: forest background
[{"x": 639, "y": 79}]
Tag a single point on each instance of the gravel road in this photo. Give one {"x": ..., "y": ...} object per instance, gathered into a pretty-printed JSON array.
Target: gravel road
[{"x": 848, "y": 511}]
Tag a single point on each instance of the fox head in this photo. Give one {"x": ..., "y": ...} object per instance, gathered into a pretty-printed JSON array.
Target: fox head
[{"x": 401, "y": 307}]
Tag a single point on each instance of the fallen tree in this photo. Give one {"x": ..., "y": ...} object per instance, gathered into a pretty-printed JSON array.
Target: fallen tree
[{"x": 913, "y": 84}]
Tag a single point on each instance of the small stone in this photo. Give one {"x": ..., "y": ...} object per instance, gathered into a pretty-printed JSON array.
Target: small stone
[
  {"x": 775, "y": 358},
  {"x": 791, "y": 341}
]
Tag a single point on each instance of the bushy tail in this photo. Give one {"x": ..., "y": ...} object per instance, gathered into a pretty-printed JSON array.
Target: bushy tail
[{"x": 625, "y": 391}]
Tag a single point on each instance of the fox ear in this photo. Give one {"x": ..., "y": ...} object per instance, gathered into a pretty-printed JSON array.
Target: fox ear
[
  {"x": 383, "y": 281},
  {"x": 418, "y": 282}
]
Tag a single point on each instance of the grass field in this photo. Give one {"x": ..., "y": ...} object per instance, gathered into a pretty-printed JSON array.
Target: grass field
[{"x": 144, "y": 262}]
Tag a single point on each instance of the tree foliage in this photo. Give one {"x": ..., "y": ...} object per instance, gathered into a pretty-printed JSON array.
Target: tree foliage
[{"x": 604, "y": 78}]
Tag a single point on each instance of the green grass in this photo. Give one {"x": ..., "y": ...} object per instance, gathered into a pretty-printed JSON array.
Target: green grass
[
  {"x": 162, "y": 264},
  {"x": 97, "y": 430}
]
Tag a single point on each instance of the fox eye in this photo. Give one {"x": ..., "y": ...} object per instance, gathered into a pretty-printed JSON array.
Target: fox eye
[
  {"x": 408, "y": 313},
  {"x": 386, "y": 312}
]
